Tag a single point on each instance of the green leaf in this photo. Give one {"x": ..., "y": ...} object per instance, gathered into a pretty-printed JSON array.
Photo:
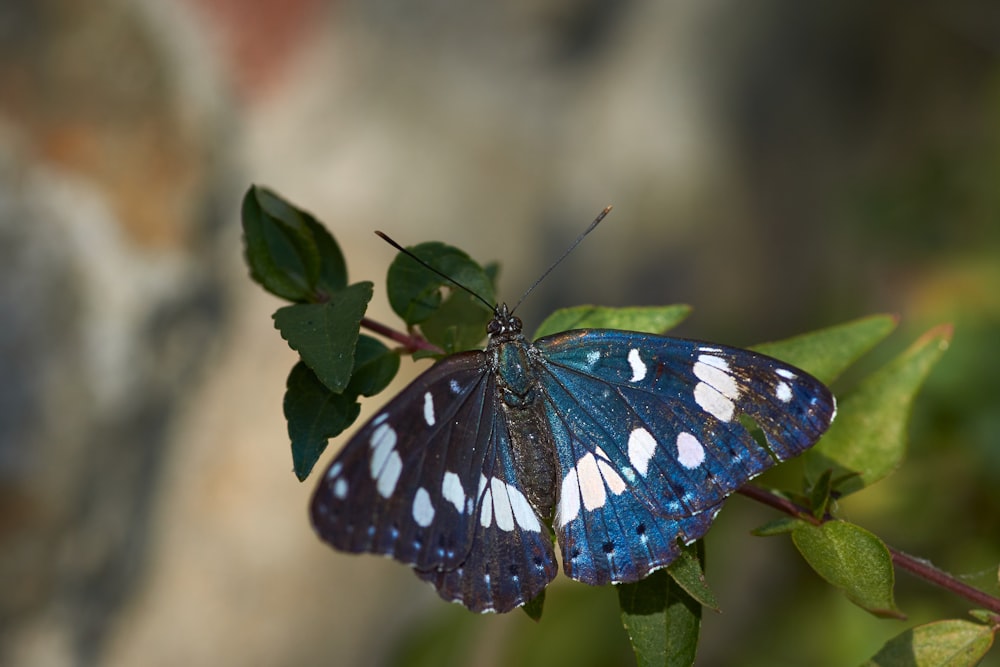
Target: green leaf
[
  {"x": 280, "y": 245},
  {"x": 458, "y": 325},
  {"x": 869, "y": 435},
  {"x": 325, "y": 334},
  {"x": 687, "y": 571},
  {"x": 415, "y": 291},
  {"x": 314, "y": 415},
  {"x": 984, "y": 616},
  {"x": 661, "y": 619},
  {"x": 332, "y": 268},
  {"x": 648, "y": 319},
  {"x": 374, "y": 367},
  {"x": 534, "y": 607},
  {"x": 819, "y": 494},
  {"x": 779, "y": 526},
  {"x": 852, "y": 559},
  {"x": 827, "y": 352},
  {"x": 952, "y": 643}
]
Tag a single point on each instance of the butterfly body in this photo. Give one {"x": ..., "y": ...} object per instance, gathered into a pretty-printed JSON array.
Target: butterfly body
[{"x": 625, "y": 443}]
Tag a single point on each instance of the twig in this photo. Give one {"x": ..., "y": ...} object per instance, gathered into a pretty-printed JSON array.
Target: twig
[
  {"x": 915, "y": 566},
  {"x": 409, "y": 343}
]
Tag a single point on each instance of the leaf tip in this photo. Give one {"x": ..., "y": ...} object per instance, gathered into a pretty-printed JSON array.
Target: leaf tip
[{"x": 943, "y": 333}]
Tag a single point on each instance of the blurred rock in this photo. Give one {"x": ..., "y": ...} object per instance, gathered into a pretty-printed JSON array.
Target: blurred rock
[{"x": 110, "y": 298}]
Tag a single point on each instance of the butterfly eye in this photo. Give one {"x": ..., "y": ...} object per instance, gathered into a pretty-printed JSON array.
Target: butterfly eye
[{"x": 494, "y": 327}]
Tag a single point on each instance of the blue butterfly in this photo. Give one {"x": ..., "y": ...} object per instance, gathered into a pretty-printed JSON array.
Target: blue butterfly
[{"x": 624, "y": 443}]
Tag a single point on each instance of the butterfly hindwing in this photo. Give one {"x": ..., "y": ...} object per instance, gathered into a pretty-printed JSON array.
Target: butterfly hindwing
[
  {"x": 429, "y": 481},
  {"x": 511, "y": 559},
  {"x": 648, "y": 430}
]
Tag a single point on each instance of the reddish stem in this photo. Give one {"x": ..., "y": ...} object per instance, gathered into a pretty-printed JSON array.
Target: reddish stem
[
  {"x": 409, "y": 343},
  {"x": 915, "y": 566}
]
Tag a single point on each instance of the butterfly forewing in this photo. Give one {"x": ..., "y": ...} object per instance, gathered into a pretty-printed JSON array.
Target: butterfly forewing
[
  {"x": 648, "y": 430},
  {"x": 405, "y": 484}
]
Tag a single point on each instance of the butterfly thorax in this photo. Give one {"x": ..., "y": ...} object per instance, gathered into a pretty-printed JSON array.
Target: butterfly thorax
[{"x": 512, "y": 364}]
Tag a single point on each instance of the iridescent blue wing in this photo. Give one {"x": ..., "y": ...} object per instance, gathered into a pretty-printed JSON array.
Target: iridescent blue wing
[
  {"x": 429, "y": 481},
  {"x": 650, "y": 438}
]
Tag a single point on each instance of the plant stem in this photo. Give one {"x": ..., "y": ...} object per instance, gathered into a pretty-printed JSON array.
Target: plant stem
[
  {"x": 916, "y": 566},
  {"x": 409, "y": 343}
]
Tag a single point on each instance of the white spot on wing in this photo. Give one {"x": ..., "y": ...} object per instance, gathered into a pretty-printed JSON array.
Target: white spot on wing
[
  {"x": 390, "y": 475},
  {"x": 785, "y": 373},
  {"x": 340, "y": 488},
  {"x": 334, "y": 470},
  {"x": 783, "y": 392},
  {"x": 429, "y": 408},
  {"x": 712, "y": 360},
  {"x": 423, "y": 509},
  {"x": 611, "y": 478},
  {"x": 641, "y": 445},
  {"x": 592, "y": 358},
  {"x": 523, "y": 512},
  {"x": 501, "y": 505},
  {"x": 569, "y": 498},
  {"x": 714, "y": 403},
  {"x": 380, "y": 418},
  {"x": 452, "y": 491},
  {"x": 638, "y": 366},
  {"x": 690, "y": 452},
  {"x": 382, "y": 441},
  {"x": 591, "y": 483},
  {"x": 454, "y": 386},
  {"x": 714, "y": 371}
]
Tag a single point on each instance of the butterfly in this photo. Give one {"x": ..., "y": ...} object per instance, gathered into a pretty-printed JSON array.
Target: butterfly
[{"x": 623, "y": 444}]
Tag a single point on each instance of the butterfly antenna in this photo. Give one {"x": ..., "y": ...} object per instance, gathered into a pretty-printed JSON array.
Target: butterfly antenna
[
  {"x": 597, "y": 220},
  {"x": 430, "y": 268}
]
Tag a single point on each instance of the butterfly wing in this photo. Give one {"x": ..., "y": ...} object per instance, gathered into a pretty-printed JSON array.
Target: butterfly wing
[
  {"x": 650, "y": 440},
  {"x": 429, "y": 481}
]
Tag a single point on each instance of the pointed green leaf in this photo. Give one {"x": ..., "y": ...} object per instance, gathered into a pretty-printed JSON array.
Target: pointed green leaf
[
  {"x": 687, "y": 571},
  {"x": 952, "y": 643},
  {"x": 325, "y": 334},
  {"x": 827, "y": 352},
  {"x": 534, "y": 607},
  {"x": 869, "y": 434},
  {"x": 779, "y": 526},
  {"x": 279, "y": 245},
  {"x": 415, "y": 291},
  {"x": 852, "y": 559},
  {"x": 374, "y": 367},
  {"x": 332, "y": 268},
  {"x": 314, "y": 415},
  {"x": 661, "y": 619},
  {"x": 648, "y": 319},
  {"x": 819, "y": 494}
]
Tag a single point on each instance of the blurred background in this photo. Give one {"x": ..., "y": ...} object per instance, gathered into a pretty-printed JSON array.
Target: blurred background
[{"x": 781, "y": 166}]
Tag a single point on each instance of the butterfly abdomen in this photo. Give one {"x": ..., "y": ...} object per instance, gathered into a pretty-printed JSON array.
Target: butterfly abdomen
[{"x": 532, "y": 447}]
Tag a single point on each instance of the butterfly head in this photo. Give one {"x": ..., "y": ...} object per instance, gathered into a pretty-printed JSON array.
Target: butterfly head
[{"x": 504, "y": 322}]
